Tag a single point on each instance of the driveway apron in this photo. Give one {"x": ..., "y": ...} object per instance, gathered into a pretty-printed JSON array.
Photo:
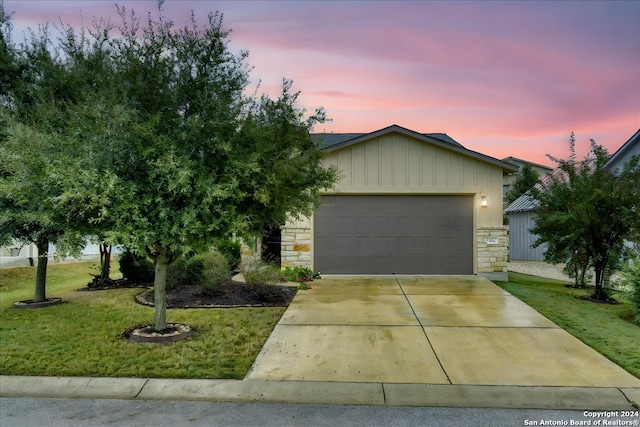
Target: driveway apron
[{"x": 426, "y": 330}]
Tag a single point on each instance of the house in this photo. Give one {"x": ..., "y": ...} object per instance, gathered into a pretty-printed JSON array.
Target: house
[
  {"x": 521, "y": 219},
  {"x": 522, "y": 211},
  {"x": 624, "y": 153},
  {"x": 25, "y": 255},
  {"x": 406, "y": 203},
  {"x": 616, "y": 162},
  {"x": 509, "y": 179}
]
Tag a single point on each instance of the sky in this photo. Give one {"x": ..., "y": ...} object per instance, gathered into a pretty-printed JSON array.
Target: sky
[{"x": 503, "y": 78}]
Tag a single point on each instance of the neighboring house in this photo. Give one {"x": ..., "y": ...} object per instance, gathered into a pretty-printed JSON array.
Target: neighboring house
[
  {"x": 406, "y": 203},
  {"x": 522, "y": 211},
  {"x": 509, "y": 179},
  {"x": 18, "y": 255},
  {"x": 624, "y": 153},
  {"x": 616, "y": 162},
  {"x": 521, "y": 219}
]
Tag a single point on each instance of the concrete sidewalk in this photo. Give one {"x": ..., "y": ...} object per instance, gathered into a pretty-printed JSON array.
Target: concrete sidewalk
[{"x": 343, "y": 393}]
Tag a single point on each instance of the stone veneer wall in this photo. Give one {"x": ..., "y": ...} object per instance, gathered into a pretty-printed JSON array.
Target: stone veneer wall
[
  {"x": 493, "y": 257},
  {"x": 249, "y": 252},
  {"x": 296, "y": 246}
]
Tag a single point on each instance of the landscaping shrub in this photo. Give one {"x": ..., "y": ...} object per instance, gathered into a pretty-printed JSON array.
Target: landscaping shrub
[
  {"x": 176, "y": 273},
  {"x": 259, "y": 276},
  {"x": 630, "y": 281},
  {"x": 231, "y": 250},
  {"x": 298, "y": 274},
  {"x": 209, "y": 271},
  {"x": 136, "y": 268}
]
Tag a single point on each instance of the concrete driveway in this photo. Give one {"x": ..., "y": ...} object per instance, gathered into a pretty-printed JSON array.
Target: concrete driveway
[{"x": 426, "y": 330}]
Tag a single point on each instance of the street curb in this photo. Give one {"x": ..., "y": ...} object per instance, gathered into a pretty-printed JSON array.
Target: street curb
[{"x": 309, "y": 392}]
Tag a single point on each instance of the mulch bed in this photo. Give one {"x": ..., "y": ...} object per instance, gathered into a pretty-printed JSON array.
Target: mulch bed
[
  {"x": 232, "y": 294},
  {"x": 599, "y": 300}
]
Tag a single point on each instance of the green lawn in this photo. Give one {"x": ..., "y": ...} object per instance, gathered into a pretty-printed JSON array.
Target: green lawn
[
  {"x": 601, "y": 326},
  {"x": 81, "y": 337}
]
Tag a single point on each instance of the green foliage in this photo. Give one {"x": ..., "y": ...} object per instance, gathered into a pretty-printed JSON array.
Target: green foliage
[
  {"x": 136, "y": 268},
  {"x": 586, "y": 212},
  {"x": 630, "y": 282},
  {"x": 259, "y": 276},
  {"x": 526, "y": 178},
  {"x": 232, "y": 251},
  {"x": 151, "y": 139},
  {"x": 298, "y": 274},
  {"x": 209, "y": 271},
  {"x": 176, "y": 272}
]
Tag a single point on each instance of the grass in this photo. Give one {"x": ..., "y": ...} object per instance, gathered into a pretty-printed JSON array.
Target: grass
[
  {"x": 82, "y": 337},
  {"x": 604, "y": 327}
]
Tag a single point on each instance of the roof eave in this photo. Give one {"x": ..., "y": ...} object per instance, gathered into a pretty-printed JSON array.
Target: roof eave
[{"x": 407, "y": 132}]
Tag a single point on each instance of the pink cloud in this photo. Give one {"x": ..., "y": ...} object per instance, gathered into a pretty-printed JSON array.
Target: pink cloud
[{"x": 505, "y": 78}]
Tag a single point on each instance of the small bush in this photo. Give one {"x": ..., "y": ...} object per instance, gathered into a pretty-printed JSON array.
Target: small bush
[
  {"x": 231, "y": 250},
  {"x": 630, "y": 282},
  {"x": 259, "y": 276},
  {"x": 209, "y": 271},
  {"x": 176, "y": 273},
  {"x": 136, "y": 268},
  {"x": 298, "y": 274}
]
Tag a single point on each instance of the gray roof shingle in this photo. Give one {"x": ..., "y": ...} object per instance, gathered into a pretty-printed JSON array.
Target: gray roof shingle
[{"x": 327, "y": 140}]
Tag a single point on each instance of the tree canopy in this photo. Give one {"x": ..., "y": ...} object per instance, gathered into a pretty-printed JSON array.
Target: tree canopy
[
  {"x": 526, "y": 178},
  {"x": 37, "y": 94},
  {"x": 166, "y": 147},
  {"x": 586, "y": 211}
]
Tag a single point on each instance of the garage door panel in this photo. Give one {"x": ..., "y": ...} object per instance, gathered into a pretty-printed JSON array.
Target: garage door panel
[{"x": 394, "y": 234}]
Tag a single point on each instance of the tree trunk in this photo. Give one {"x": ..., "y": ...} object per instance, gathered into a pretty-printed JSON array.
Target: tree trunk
[
  {"x": 159, "y": 291},
  {"x": 105, "y": 261},
  {"x": 599, "y": 267},
  {"x": 41, "y": 272},
  {"x": 598, "y": 291}
]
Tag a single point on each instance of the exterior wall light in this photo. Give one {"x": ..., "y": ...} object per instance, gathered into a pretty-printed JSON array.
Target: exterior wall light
[{"x": 484, "y": 202}]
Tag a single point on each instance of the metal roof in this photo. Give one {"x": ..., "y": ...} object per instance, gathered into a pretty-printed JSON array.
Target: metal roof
[
  {"x": 523, "y": 203},
  {"x": 519, "y": 162}
]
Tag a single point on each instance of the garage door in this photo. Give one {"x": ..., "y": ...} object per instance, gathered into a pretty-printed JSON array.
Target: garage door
[{"x": 394, "y": 234}]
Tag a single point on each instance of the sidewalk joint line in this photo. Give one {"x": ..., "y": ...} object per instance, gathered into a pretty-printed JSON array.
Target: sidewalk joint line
[
  {"x": 423, "y": 330},
  {"x": 141, "y": 388}
]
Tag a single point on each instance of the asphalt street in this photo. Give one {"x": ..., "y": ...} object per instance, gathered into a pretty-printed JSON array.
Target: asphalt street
[{"x": 44, "y": 412}]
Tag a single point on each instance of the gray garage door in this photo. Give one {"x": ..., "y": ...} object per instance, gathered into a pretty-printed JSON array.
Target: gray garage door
[{"x": 394, "y": 234}]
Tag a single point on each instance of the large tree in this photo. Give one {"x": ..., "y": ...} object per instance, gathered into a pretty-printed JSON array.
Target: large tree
[
  {"x": 203, "y": 159},
  {"x": 166, "y": 148},
  {"x": 37, "y": 93},
  {"x": 586, "y": 211}
]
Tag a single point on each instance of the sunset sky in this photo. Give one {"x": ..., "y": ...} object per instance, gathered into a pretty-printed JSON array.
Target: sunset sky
[{"x": 502, "y": 78}]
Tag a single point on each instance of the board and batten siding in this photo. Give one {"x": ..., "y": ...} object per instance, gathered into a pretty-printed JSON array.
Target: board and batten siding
[
  {"x": 398, "y": 164},
  {"x": 521, "y": 239}
]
